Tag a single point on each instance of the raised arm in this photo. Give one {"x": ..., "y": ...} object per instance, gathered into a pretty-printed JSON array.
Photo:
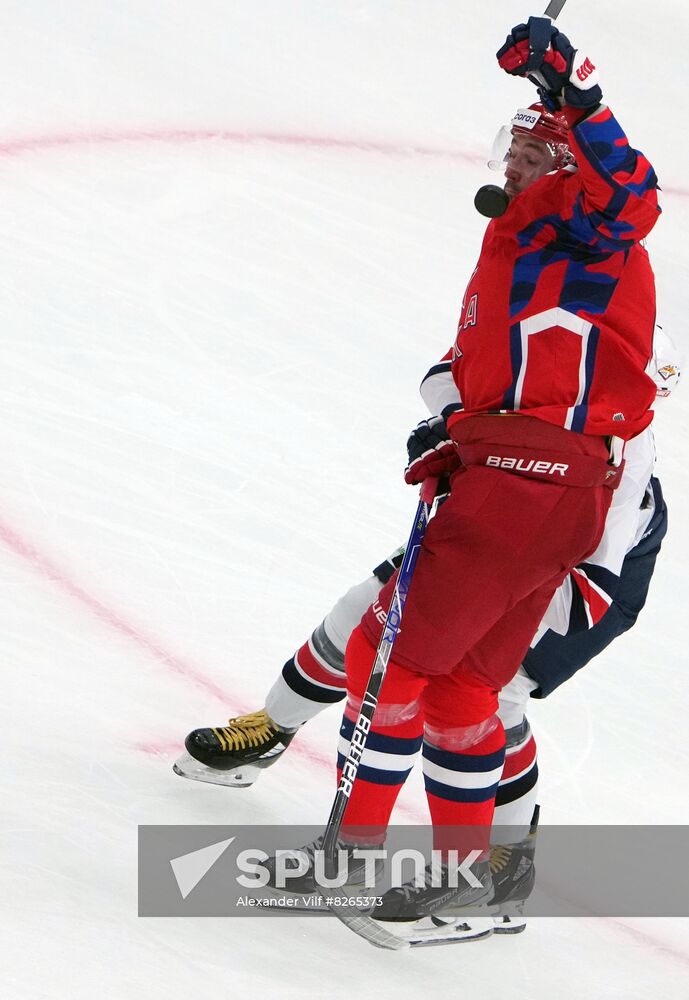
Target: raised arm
[
  {"x": 619, "y": 187},
  {"x": 618, "y": 203}
]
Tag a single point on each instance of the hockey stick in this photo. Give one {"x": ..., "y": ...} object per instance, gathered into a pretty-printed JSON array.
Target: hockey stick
[
  {"x": 359, "y": 922},
  {"x": 552, "y": 12},
  {"x": 554, "y": 8}
]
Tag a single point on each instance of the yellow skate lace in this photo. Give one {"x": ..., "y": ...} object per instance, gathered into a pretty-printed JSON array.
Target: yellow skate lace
[
  {"x": 245, "y": 731},
  {"x": 499, "y": 856}
]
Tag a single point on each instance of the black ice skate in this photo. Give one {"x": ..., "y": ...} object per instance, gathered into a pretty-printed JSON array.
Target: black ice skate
[
  {"x": 436, "y": 912},
  {"x": 234, "y": 754},
  {"x": 514, "y": 873},
  {"x": 352, "y": 864}
]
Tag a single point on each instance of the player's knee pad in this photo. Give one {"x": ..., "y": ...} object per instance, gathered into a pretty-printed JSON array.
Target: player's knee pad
[
  {"x": 387, "y": 714},
  {"x": 457, "y": 739}
]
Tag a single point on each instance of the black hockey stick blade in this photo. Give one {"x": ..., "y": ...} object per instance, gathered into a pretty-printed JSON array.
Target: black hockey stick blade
[
  {"x": 369, "y": 929},
  {"x": 372, "y": 931}
]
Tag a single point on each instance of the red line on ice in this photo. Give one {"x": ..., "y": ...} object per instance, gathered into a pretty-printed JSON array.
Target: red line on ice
[
  {"x": 650, "y": 940},
  {"x": 49, "y": 570},
  {"x": 15, "y": 147},
  {"x": 27, "y": 144}
]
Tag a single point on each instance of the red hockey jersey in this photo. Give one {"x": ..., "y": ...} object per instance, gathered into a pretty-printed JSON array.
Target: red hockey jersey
[{"x": 557, "y": 320}]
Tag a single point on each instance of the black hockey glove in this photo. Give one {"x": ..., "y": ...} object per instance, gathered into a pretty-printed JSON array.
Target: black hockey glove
[
  {"x": 563, "y": 75},
  {"x": 431, "y": 451}
]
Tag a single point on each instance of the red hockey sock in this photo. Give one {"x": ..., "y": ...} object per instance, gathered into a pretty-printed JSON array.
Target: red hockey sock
[
  {"x": 392, "y": 745},
  {"x": 460, "y": 786}
]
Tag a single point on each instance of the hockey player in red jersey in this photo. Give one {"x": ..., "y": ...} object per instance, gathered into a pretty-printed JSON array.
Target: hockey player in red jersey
[
  {"x": 547, "y": 381},
  {"x": 549, "y": 371}
]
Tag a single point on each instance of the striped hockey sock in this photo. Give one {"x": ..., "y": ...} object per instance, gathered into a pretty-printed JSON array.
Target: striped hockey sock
[
  {"x": 517, "y": 792},
  {"x": 310, "y": 681},
  {"x": 461, "y": 785},
  {"x": 316, "y": 671},
  {"x": 385, "y": 765}
]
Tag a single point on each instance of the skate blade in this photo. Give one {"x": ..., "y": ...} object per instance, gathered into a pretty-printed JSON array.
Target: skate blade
[
  {"x": 432, "y": 931},
  {"x": 239, "y": 777},
  {"x": 509, "y": 925}
]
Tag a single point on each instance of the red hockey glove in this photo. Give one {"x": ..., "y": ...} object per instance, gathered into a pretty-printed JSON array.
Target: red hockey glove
[
  {"x": 546, "y": 56},
  {"x": 431, "y": 451}
]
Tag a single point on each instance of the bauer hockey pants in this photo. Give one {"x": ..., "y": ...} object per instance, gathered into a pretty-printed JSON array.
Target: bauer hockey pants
[{"x": 491, "y": 560}]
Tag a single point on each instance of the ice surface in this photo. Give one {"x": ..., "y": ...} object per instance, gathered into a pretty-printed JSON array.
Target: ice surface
[{"x": 234, "y": 236}]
